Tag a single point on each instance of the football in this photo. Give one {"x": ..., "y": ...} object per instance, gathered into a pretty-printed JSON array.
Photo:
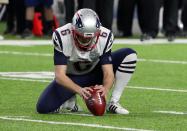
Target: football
[{"x": 96, "y": 104}]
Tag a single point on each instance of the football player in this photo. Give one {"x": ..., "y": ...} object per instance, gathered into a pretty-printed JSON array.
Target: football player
[{"x": 83, "y": 58}]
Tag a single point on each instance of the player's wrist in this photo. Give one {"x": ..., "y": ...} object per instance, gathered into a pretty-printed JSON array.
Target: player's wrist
[{"x": 79, "y": 91}]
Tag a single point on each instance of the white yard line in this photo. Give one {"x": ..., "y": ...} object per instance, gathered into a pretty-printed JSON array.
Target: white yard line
[
  {"x": 77, "y": 114},
  {"x": 25, "y": 53},
  {"x": 131, "y": 87},
  {"x": 149, "y": 42},
  {"x": 49, "y": 55},
  {"x": 25, "y": 42},
  {"x": 116, "y": 41},
  {"x": 31, "y": 80},
  {"x": 163, "y": 61},
  {"x": 71, "y": 124},
  {"x": 171, "y": 112},
  {"x": 31, "y": 75},
  {"x": 17, "y": 116},
  {"x": 157, "y": 89}
]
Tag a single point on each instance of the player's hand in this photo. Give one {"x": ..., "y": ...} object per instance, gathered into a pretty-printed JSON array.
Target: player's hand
[
  {"x": 85, "y": 92},
  {"x": 101, "y": 89}
]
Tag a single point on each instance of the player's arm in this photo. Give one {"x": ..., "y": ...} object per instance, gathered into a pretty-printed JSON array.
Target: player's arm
[
  {"x": 108, "y": 77},
  {"x": 60, "y": 62},
  {"x": 107, "y": 67},
  {"x": 108, "y": 74},
  {"x": 63, "y": 79}
]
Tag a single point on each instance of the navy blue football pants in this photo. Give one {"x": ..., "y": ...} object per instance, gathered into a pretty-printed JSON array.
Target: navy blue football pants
[{"x": 55, "y": 94}]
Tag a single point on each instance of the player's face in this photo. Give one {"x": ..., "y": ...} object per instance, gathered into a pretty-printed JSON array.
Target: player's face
[{"x": 84, "y": 40}]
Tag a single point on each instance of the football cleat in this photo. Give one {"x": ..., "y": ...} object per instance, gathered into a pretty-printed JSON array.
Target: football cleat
[
  {"x": 116, "y": 108},
  {"x": 70, "y": 105},
  {"x": 76, "y": 108}
]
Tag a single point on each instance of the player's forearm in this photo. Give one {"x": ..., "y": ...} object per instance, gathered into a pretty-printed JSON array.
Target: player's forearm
[
  {"x": 108, "y": 80},
  {"x": 64, "y": 80},
  {"x": 108, "y": 76},
  {"x": 68, "y": 83}
]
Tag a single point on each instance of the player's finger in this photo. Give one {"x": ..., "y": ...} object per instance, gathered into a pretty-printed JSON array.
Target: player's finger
[
  {"x": 98, "y": 88},
  {"x": 103, "y": 93},
  {"x": 87, "y": 93},
  {"x": 84, "y": 96},
  {"x": 89, "y": 89}
]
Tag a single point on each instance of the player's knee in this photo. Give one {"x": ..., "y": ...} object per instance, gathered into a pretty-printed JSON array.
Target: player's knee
[
  {"x": 41, "y": 108},
  {"x": 128, "y": 63},
  {"x": 130, "y": 51},
  {"x": 131, "y": 55}
]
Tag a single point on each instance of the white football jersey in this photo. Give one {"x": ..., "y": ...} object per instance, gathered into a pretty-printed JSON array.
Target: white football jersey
[{"x": 81, "y": 62}]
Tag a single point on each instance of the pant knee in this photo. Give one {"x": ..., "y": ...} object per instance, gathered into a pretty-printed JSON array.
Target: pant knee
[
  {"x": 131, "y": 55},
  {"x": 41, "y": 109},
  {"x": 130, "y": 51},
  {"x": 128, "y": 64},
  {"x": 127, "y": 54}
]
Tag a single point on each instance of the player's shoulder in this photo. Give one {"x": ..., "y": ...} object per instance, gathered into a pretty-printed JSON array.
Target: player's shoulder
[
  {"x": 62, "y": 36},
  {"x": 63, "y": 30},
  {"x": 106, "y": 39},
  {"x": 106, "y": 33},
  {"x": 104, "y": 29}
]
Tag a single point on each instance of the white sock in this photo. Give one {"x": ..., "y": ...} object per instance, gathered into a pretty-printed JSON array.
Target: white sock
[{"x": 123, "y": 75}]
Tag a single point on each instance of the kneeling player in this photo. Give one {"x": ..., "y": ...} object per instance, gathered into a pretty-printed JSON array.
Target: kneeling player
[{"x": 83, "y": 58}]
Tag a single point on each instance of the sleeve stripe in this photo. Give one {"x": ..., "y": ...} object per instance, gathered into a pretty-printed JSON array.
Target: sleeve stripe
[
  {"x": 55, "y": 43},
  {"x": 110, "y": 46},
  {"x": 59, "y": 39},
  {"x": 107, "y": 42}
]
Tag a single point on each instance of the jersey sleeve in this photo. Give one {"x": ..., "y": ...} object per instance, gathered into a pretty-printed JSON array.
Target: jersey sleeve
[
  {"x": 109, "y": 43},
  {"x": 106, "y": 58},
  {"x": 59, "y": 57},
  {"x": 57, "y": 42}
]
